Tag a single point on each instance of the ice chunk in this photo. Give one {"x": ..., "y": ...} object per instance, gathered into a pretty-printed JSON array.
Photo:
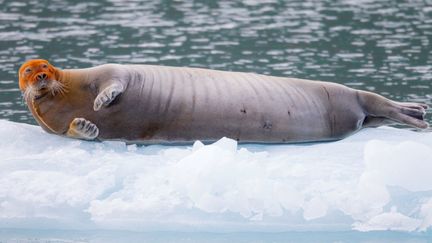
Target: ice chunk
[
  {"x": 315, "y": 208},
  {"x": 377, "y": 179},
  {"x": 426, "y": 215},
  {"x": 407, "y": 164},
  {"x": 389, "y": 221}
]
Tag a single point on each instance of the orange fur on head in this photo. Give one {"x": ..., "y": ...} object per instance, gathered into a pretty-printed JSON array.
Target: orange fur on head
[{"x": 29, "y": 70}]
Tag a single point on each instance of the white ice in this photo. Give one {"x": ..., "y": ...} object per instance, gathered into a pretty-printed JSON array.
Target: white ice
[{"x": 377, "y": 179}]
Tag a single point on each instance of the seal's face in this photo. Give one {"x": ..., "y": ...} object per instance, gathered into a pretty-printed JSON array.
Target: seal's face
[{"x": 38, "y": 78}]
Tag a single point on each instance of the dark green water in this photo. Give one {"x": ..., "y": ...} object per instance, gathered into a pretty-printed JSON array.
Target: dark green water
[{"x": 382, "y": 46}]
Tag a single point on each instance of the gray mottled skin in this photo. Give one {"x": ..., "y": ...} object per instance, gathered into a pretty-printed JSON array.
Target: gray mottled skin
[{"x": 172, "y": 105}]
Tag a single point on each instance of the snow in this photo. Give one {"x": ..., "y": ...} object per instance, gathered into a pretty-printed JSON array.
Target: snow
[{"x": 377, "y": 179}]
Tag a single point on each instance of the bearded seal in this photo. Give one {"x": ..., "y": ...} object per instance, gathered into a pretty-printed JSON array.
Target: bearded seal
[{"x": 160, "y": 104}]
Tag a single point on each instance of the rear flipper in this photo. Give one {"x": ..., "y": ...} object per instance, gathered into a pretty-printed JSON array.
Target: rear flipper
[
  {"x": 381, "y": 111},
  {"x": 411, "y": 114}
]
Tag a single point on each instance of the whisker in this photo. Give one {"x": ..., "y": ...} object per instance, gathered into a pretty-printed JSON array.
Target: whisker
[
  {"x": 23, "y": 100},
  {"x": 55, "y": 87},
  {"x": 29, "y": 93},
  {"x": 58, "y": 88}
]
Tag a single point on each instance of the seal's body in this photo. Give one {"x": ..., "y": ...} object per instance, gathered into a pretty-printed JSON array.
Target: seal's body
[{"x": 157, "y": 104}]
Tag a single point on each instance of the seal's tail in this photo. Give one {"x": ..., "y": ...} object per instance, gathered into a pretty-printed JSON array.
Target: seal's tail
[{"x": 382, "y": 111}]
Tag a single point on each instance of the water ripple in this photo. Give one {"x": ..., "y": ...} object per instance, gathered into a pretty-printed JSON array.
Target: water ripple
[{"x": 382, "y": 46}]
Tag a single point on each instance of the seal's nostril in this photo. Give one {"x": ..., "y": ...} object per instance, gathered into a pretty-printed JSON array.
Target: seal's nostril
[{"x": 41, "y": 76}]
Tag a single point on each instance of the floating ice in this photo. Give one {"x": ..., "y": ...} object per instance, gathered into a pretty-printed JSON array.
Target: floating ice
[{"x": 378, "y": 179}]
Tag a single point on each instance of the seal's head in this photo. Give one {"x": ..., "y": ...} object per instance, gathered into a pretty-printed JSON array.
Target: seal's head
[{"x": 38, "y": 78}]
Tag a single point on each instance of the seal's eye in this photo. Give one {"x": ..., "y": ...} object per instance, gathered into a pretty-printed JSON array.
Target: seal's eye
[
  {"x": 27, "y": 70},
  {"x": 44, "y": 66}
]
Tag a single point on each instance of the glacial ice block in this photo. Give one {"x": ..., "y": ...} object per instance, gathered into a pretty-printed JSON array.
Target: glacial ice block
[{"x": 377, "y": 179}]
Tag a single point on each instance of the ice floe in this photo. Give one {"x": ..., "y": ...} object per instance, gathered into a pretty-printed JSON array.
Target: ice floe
[{"x": 377, "y": 179}]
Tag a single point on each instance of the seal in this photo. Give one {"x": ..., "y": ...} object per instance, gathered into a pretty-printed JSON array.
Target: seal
[{"x": 159, "y": 104}]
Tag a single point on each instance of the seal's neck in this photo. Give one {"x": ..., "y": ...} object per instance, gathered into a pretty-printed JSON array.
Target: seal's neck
[
  {"x": 60, "y": 75},
  {"x": 71, "y": 77},
  {"x": 67, "y": 75}
]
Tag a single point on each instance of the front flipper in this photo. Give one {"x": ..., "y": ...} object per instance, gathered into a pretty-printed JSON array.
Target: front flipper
[
  {"x": 106, "y": 96},
  {"x": 82, "y": 129}
]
